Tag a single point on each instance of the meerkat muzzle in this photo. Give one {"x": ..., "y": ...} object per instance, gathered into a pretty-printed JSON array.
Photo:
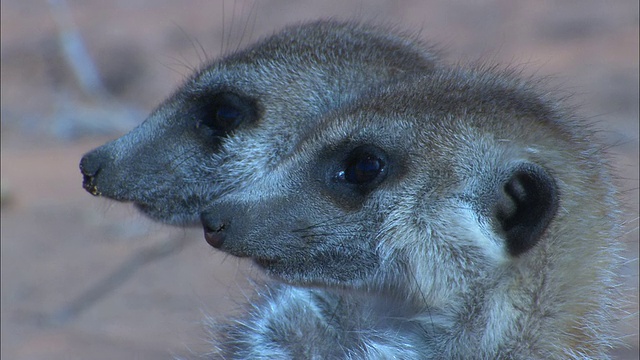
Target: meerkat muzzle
[{"x": 215, "y": 235}]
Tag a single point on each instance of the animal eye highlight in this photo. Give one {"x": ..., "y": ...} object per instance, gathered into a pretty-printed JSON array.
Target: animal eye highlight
[
  {"x": 365, "y": 166},
  {"x": 363, "y": 169}
]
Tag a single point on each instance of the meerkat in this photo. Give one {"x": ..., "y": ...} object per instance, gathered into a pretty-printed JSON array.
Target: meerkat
[
  {"x": 458, "y": 214},
  {"x": 231, "y": 120},
  {"x": 236, "y": 136}
]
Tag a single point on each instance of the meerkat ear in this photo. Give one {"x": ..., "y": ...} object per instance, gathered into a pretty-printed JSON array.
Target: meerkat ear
[{"x": 527, "y": 202}]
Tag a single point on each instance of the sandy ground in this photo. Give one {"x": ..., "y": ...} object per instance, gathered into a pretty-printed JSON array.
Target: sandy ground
[{"x": 60, "y": 244}]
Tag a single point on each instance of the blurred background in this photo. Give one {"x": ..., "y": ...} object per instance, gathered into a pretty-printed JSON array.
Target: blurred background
[{"x": 85, "y": 278}]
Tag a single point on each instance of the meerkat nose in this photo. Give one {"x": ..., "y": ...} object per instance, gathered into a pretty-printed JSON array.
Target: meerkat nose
[
  {"x": 90, "y": 166},
  {"x": 214, "y": 233}
]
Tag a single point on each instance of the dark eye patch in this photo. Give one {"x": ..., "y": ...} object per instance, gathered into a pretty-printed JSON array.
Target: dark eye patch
[
  {"x": 225, "y": 112},
  {"x": 347, "y": 173}
]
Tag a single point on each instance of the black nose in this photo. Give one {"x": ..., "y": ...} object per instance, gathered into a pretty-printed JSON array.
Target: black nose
[
  {"x": 90, "y": 167},
  {"x": 215, "y": 231}
]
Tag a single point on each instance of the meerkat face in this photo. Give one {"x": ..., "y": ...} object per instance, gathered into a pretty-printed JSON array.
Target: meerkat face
[
  {"x": 237, "y": 117},
  {"x": 428, "y": 184}
]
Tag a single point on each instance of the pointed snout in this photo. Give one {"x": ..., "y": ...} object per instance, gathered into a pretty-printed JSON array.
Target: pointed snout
[
  {"x": 90, "y": 166},
  {"x": 227, "y": 225},
  {"x": 215, "y": 229}
]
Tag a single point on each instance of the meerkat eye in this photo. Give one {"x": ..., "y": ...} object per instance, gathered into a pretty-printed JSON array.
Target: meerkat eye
[
  {"x": 224, "y": 112},
  {"x": 363, "y": 166},
  {"x": 227, "y": 117},
  {"x": 363, "y": 169}
]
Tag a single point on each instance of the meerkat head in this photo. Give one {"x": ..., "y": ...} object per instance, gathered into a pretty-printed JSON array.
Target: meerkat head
[
  {"x": 237, "y": 116},
  {"x": 403, "y": 172},
  {"x": 464, "y": 191}
]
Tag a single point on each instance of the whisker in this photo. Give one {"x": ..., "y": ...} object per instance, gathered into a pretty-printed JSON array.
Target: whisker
[{"x": 244, "y": 29}]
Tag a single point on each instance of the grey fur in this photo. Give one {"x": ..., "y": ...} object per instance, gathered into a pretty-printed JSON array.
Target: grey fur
[
  {"x": 171, "y": 165},
  {"x": 418, "y": 264},
  {"x": 414, "y": 265}
]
